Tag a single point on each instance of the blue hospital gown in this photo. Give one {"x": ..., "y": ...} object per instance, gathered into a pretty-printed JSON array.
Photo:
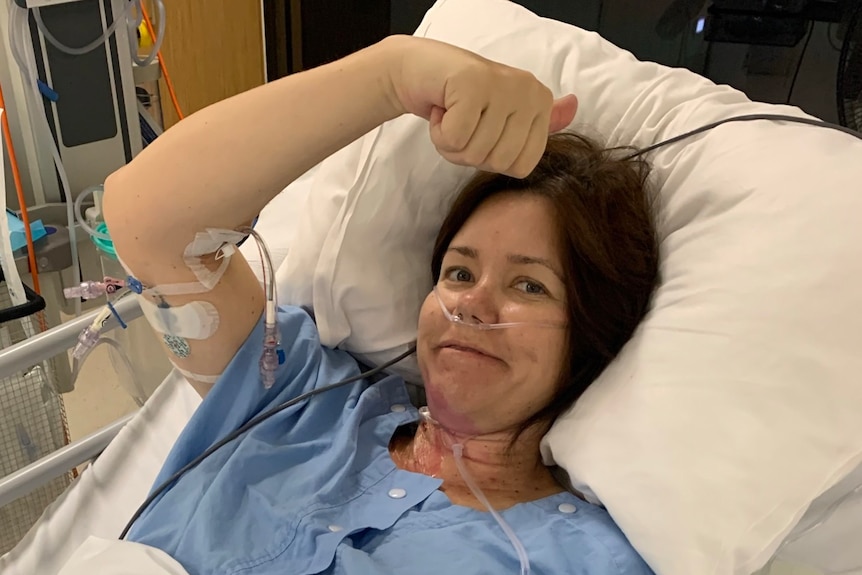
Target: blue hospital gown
[{"x": 314, "y": 490}]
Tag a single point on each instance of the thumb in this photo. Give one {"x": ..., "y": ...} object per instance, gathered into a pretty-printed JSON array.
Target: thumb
[
  {"x": 435, "y": 123},
  {"x": 435, "y": 118},
  {"x": 563, "y": 112}
]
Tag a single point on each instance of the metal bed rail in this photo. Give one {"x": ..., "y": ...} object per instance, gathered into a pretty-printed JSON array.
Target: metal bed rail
[
  {"x": 30, "y": 352},
  {"x": 42, "y": 472}
]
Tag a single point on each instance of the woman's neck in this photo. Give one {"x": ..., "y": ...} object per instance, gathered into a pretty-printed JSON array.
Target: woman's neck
[{"x": 506, "y": 473}]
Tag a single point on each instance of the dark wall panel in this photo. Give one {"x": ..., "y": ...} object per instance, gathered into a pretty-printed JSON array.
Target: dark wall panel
[{"x": 333, "y": 29}]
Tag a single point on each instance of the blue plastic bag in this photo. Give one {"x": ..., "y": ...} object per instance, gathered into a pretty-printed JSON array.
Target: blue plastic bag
[{"x": 16, "y": 231}]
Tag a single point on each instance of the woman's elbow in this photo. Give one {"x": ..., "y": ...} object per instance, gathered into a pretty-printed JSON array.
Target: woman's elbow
[
  {"x": 128, "y": 209},
  {"x": 115, "y": 202},
  {"x": 130, "y": 216}
]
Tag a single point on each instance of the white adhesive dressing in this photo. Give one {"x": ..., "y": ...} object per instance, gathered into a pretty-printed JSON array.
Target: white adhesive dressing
[
  {"x": 196, "y": 376},
  {"x": 194, "y": 320}
]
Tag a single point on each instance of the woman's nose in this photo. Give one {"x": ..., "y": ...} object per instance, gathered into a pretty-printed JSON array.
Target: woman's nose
[{"x": 476, "y": 305}]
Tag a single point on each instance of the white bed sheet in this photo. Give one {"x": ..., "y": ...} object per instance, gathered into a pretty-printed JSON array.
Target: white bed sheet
[
  {"x": 111, "y": 557},
  {"x": 107, "y": 493}
]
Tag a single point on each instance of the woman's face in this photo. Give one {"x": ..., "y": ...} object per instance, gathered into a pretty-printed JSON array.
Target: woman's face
[{"x": 504, "y": 265}]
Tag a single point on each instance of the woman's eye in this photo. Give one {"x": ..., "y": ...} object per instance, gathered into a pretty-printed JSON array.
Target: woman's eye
[
  {"x": 459, "y": 275},
  {"x": 531, "y": 287}
]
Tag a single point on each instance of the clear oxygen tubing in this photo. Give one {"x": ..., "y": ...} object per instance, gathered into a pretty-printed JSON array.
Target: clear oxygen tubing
[
  {"x": 118, "y": 19},
  {"x": 458, "y": 318},
  {"x": 82, "y": 221},
  {"x": 157, "y": 43},
  {"x": 25, "y": 59},
  {"x": 458, "y": 453}
]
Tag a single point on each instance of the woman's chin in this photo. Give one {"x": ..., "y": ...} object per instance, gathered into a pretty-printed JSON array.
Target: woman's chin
[{"x": 447, "y": 410}]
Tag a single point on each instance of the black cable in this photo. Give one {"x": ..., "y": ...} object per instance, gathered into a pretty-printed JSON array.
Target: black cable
[
  {"x": 840, "y": 84},
  {"x": 799, "y": 62},
  {"x": 599, "y": 17},
  {"x": 746, "y": 118},
  {"x": 251, "y": 423}
]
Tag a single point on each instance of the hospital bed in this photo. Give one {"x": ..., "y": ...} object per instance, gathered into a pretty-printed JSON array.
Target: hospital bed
[{"x": 129, "y": 453}]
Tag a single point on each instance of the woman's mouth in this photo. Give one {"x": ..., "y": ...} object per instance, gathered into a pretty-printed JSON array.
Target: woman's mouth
[{"x": 467, "y": 349}]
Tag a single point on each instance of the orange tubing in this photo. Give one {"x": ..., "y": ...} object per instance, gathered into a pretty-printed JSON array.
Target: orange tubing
[
  {"x": 162, "y": 65},
  {"x": 16, "y": 175}
]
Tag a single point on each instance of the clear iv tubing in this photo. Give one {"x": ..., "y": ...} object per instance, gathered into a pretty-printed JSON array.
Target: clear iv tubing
[
  {"x": 77, "y": 364},
  {"x": 268, "y": 271},
  {"x": 82, "y": 221},
  {"x": 138, "y": 393},
  {"x": 157, "y": 45},
  {"x": 133, "y": 25},
  {"x": 30, "y": 77},
  {"x": 269, "y": 360},
  {"x": 37, "y": 15},
  {"x": 458, "y": 452}
]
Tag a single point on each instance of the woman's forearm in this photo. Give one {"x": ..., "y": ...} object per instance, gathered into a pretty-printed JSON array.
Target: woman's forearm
[{"x": 220, "y": 166}]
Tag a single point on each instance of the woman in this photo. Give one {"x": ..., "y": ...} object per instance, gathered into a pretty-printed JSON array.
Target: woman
[{"x": 557, "y": 242}]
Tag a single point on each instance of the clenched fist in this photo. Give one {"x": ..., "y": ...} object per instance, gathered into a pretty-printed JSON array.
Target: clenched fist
[{"x": 481, "y": 113}]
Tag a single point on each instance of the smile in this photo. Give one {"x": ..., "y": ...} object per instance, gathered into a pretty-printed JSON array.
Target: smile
[{"x": 467, "y": 350}]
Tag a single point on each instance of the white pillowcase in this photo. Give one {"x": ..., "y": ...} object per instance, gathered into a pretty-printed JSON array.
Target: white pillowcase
[
  {"x": 736, "y": 404},
  {"x": 277, "y": 225}
]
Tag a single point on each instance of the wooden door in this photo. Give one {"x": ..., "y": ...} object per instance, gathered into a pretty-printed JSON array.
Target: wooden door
[{"x": 213, "y": 49}]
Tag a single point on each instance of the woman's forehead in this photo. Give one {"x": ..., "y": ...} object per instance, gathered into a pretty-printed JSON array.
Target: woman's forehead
[{"x": 515, "y": 223}]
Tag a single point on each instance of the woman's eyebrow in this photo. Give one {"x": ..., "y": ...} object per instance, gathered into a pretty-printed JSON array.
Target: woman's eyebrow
[
  {"x": 522, "y": 259},
  {"x": 465, "y": 251}
]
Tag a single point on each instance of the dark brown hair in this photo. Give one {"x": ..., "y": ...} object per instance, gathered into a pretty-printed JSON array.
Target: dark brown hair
[{"x": 605, "y": 227}]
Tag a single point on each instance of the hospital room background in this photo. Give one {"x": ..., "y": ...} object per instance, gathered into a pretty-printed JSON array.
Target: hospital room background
[{"x": 70, "y": 119}]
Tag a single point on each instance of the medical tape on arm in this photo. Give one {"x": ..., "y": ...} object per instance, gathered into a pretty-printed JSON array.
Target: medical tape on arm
[
  {"x": 196, "y": 376},
  {"x": 196, "y": 320},
  {"x": 220, "y": 242},
  {"x": 193, "y": 320}
]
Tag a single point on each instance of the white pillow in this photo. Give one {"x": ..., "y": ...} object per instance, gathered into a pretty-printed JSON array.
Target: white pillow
[
  {"x": 277, "y": 224},
  {"x": 736, "y": 404},
  {"x": 827, "y": 537}
]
